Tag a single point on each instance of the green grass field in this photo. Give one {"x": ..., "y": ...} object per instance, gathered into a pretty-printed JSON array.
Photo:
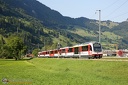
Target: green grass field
[{"x": 44, "y": 71}]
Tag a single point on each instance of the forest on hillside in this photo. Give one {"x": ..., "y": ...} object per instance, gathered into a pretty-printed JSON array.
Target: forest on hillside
[{"x": 40, "y": 27}]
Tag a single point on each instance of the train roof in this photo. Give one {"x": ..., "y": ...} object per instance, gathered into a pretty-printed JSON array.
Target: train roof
[
  {"x": 86, "y": 43},
  {"x": 64, "y": 47},
  {"x": 82, "y": 44}
]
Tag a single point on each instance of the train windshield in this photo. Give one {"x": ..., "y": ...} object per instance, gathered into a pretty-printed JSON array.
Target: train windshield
[{"x": 97, "y": 47}]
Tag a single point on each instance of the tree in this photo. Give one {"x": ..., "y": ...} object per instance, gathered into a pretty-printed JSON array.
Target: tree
[
  {"x": 2, "y": 42},
  {"x": 5, "y": 51},
  {"x": 35, "y": 52},
  {"x": 16, "y": 46}
]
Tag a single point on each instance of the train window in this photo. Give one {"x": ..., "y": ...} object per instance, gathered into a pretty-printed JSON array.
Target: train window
[
  {"x": 97, "y": 47},
  {"x": 70, "y": 50},
  {"x": 84, "y": 48},
  {"x": 47, "y": 52},
  {"x": 63, "y": 50},
  {"x": 56, "y": 51},
  {"x": 51, "y": 52}
]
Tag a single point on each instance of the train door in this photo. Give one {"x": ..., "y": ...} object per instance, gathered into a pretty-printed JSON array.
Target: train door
[
  {"x": 89, "y": 51},
  {"x": 63, "y": 53},
  {"x": 85, "y": 51},
  {"x": 51, "y": 53},
  {"x": 70, "y": 52},
  {"x": 76, "y": 50},
  {"x": 66, "y": 52}
]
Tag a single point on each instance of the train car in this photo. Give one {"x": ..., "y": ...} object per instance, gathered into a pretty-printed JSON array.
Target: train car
[
  {"x": 89, "y": 50},
  {"x": 70, "y": 52},
  {"x": 85, "y": 50},
  {"x": 63, "y": 52},
  {"x": 43, "y": 54}
]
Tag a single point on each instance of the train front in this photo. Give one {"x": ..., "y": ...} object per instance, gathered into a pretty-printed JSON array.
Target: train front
[{"x": 97, "y": 50}]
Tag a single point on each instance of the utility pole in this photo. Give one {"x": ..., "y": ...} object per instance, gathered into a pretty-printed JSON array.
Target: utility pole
[
  {"x": 44, "y": 43},
  {"x": 58, "y": 46},
  {"x": 39, "y": 38},
  {"x": 99, "y": 25}
]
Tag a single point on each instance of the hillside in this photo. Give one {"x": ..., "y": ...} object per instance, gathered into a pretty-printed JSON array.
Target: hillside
[
  {"x": 122, "y": 30},
  {"x": 41, "y": 27}
]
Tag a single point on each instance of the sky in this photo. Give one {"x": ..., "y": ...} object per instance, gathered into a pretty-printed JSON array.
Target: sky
[{"x": 114, "y": 10}]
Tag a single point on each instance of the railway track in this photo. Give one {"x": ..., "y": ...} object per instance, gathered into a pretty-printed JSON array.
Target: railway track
[{"x": 102, "y": 59}]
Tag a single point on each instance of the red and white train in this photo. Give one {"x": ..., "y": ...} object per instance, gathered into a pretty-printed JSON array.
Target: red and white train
[{"x": 89, "y": 50}]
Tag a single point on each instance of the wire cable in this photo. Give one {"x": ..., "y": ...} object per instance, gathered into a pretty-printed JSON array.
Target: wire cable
[
  {"x": 117, "y": 9},
  {"x": 120, "y": 15},
  {"x": 110, "y": 5},
  {"x": 107, "y": 7}
]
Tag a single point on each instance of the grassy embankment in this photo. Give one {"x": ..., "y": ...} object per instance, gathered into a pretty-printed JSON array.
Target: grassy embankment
[{"x": 64, "y": 72}]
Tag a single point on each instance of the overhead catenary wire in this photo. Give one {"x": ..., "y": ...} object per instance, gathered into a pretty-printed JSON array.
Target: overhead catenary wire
[
  {"x": 106, "y": 7},
  {"x": 110, "y": 5},
  {"x": 119, "y": 15},
  {"x": 116, "y": 9}
]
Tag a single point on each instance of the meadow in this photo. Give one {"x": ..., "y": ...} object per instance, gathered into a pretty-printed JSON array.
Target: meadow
[{"x": 53, "y": 71}]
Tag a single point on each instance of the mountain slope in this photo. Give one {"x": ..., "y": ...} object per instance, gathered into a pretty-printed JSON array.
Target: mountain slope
[
  {"x": 48, "y": 16},
  {"x": 122, "y": 30},
  {"x": 37, "y": 23}
]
